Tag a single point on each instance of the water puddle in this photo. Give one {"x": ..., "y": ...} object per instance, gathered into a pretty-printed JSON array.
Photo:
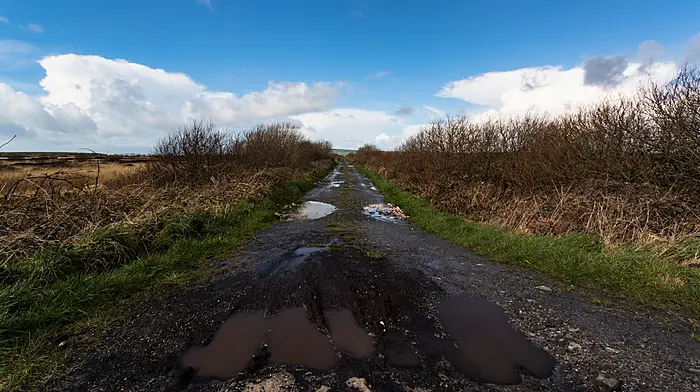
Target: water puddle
[
  {"x": 296, "y": 341},
  {"x": 290, "y": 338},
  {"x": 313, "y": 210},
  {"x": 490, "y": 349},
  {"x": 232, "y": 347},
  {"x": 348, "y": 335},
  {"x": 384, "y": 212}
]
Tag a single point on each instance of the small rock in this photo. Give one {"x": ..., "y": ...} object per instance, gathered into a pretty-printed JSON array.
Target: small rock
[
  {"x": 323, "y": 388},
  {"x": 609, "y": 383},
  {"x": 544, "y": 288},
  {"x": 358, "y": 383},
  {"x": 573, "y": 346},
  {"x": 694, "y": 370},
  {"x": 282, "y": 381},
  {"x": 612, "y": 350}
]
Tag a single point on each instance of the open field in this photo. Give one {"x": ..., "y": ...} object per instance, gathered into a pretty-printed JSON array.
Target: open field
[{"x": 24, "y": 169}]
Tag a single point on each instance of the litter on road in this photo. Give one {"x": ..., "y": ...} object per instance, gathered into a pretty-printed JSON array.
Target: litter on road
[{"x": 386, "y": 211}]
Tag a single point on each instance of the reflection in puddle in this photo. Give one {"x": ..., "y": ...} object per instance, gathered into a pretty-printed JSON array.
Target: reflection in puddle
[
  {"x": 296, "y": 341},
  {"x": 313, "y": 210},
  {"x": 232, "y": 347},
  {"x": 490, "y": 349},
  {"x": 291, "y": 339},
  {"x": 348, "y": 335}
]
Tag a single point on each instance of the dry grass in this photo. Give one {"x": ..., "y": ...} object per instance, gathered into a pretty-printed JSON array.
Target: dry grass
[
  {"x": 79, "y": 172},
  {"x": 49, "y": 205}
]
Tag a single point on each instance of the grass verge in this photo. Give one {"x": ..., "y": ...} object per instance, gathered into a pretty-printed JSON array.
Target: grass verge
[
  {"x": 39, "y": 311},
  {"x": 640, "y": 274}
]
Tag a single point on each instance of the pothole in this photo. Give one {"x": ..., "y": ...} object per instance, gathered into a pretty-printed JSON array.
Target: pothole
[
  {"x": 289, "y": 338},
  {"x": 490, "y": 349}
]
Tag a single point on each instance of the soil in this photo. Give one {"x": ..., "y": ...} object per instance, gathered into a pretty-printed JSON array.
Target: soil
[{"x": 349, "y": 302}]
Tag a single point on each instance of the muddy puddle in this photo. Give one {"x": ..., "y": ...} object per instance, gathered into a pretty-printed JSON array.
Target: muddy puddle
[
  {"x": 289, "y": 338},
  {"x": 489, "y": 348},
  {"x": 313, "y": 210},
  {"x": 481, "y": 344}
]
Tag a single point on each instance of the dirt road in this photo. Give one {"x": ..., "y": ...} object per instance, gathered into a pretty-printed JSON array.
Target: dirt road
[{"x": 350, "y": 302}]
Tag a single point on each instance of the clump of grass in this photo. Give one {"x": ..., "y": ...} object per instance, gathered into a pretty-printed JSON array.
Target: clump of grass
[
  {"x": 624, "y": 170},
  {"x": 643, "y": 275}
]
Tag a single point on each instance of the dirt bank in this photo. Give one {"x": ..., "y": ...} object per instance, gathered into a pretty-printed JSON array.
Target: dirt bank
[{"x": 350, "y": 302}]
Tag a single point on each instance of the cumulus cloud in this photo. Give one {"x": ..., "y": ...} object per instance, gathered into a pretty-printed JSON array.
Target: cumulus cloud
[
  {"x": 405, "y": 110},
  {"x": 604, "y": 71},
  {"x": 90, "y": 101},
  {"x": 554, "y": 90},
  {"x": 389, "y": 142},
  {"x": 351, "y": 127}
]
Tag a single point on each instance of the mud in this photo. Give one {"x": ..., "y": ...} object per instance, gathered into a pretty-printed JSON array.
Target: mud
[
  {"x": 231, "y": 349},
  {"x": 311, "y": 304}
]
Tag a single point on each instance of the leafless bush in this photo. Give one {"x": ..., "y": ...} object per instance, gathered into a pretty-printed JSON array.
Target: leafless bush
[
  {"x": 624, "y": 169},
  {"x": 198, "y": 152}
]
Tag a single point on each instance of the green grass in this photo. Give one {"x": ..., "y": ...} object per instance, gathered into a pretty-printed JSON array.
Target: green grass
[
  {"x": 68, "y": 290},
  {"x": 644, "y": 275}
]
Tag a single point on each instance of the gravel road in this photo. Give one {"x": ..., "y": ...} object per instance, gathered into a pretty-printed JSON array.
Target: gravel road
[{"x": 350, "y": 302}]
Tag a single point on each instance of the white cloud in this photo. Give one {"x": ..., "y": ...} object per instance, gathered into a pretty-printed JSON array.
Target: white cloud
[
  {"x": 35, "y": 28},
  {"x": 349, "y": 127},
  {"x": 552, "y": 89},
  {"x": 388, "y": 142},
  {"x": 90, "y": 101},
  {"x": 4, "y": 19},
  {"x": 434, "y": 110}
]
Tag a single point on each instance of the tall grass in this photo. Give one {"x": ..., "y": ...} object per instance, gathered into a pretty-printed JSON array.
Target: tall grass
[{"x": 626, "y": 170}]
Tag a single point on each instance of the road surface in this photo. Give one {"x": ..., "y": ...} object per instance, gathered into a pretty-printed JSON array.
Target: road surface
[{"x": 349, "y": 302}]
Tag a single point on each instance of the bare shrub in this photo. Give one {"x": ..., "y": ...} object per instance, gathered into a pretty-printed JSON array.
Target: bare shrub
[
  {"x": 626, "y": 169},
  {"x": 193, "y": 153}
]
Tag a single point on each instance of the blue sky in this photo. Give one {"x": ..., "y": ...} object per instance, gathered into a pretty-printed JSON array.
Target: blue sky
[{"x": 342, "y": 68}]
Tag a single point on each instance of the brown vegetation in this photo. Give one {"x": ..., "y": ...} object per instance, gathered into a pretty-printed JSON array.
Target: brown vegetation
[
  {"x": 626, "y": 170},
  {"x": 59, "y": 201}
]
